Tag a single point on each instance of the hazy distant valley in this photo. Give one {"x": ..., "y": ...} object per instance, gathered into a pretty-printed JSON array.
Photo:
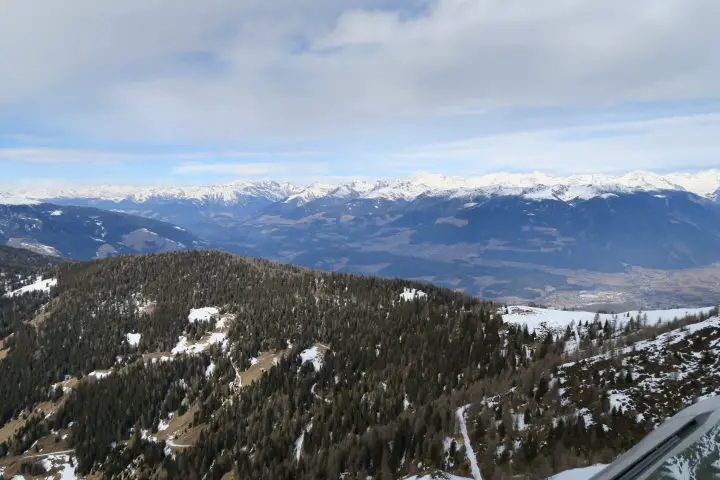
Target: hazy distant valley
[{"x": 618, "y": 242}]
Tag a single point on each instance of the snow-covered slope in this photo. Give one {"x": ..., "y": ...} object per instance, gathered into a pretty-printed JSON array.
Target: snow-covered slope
[
  {"x": 534, "y": 185},
  {"x": 39, "y": 285},
  {"x": 558, "y": 320},
  {"x": 579, "y": 473}
]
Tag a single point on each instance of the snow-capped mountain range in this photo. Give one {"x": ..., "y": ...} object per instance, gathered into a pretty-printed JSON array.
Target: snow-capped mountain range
[
  {"x": 535, "y": 185},
  {"x": 502, "y": 235}
]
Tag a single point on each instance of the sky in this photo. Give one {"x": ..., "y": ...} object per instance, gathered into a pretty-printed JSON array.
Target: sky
[{"x": 190, "y": 92}]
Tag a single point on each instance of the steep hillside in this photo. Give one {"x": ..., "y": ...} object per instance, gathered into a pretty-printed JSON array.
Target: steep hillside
[
  {"x": 610, "y": 387},
  {"x": 84, "y": 233},
  {"x": 20, "y": 276},
  {"x": 16, "y": 265},
  {"x": 204, "y": 365}
]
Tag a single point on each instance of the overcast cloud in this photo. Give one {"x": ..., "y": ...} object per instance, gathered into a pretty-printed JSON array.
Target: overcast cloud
[{"x": 376, "y": 81}]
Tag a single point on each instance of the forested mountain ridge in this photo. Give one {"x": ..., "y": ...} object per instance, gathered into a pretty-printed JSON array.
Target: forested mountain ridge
[
  {"x": 206, "y": 365},
  {"x": 86, "y": 233}
]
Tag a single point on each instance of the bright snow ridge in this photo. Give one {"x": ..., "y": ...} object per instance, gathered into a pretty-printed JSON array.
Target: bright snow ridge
[
  {"x": 549, "y": 319},
  {"x": 40, "y": 285},
  {"x": 533, "y": 185},
  {"x": 204, "y": 314},
  {"x": 579, "y": 473}
]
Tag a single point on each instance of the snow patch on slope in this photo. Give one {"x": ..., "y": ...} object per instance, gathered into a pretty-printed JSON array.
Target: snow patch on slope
[
  {"x": 33, "y": 246},
  {"x": 39, "y": 285},
  {"x": 468, "y": 446},
  {"x": 61, "y": 465},
  {"x": 410, "y": 294},
  {"x": 204, "y": 314},
  {"x": 133, "y": 339},
  {"x": 185, "y": 346},
  {"x": 314, "y": 355},
  {"x": 556, "y": 320}
]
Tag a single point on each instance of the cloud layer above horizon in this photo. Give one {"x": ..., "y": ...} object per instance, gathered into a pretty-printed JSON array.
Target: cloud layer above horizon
[{"x": 238, "y": 88}]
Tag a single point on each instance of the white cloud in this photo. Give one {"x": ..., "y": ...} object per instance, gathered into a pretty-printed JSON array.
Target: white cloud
[
  {"x": 122, "y": 68},
  {"x": 274, "y": 169},
  {"x": 680, "y": 142},
  {"x": 80, "y": 155},
  {"x": 270, "y": 72}
]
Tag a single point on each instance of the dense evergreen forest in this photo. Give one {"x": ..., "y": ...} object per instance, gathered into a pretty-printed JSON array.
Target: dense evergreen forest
[{"x": 392, "y": 362}]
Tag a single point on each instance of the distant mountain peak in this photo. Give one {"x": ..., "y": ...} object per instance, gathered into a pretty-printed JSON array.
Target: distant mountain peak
[{"x": 532, "y": 185}]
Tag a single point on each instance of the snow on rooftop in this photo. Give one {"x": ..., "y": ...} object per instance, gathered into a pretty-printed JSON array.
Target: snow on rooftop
[
  {"x": 204, "y": 314},
  {"x": 133, "y": 339},
  {"x": 39, "y": 285},
  {"x": 549, "y": 319},
  {"x": 410, "y": 294},
  {"x": 579, "y": 473},
  {"x": 314, "y": 355}
]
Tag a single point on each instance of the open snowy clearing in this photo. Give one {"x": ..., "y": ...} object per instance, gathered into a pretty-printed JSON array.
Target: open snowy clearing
[
  {"x": 558, "y": 320},
  {"x": 133, "y": 339},
  {"x": 204, "y": 314},
  {"x": 190, "y": 348},
  {"x": 314, "y": 354},
  {"x": 39, "y": 285}
]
